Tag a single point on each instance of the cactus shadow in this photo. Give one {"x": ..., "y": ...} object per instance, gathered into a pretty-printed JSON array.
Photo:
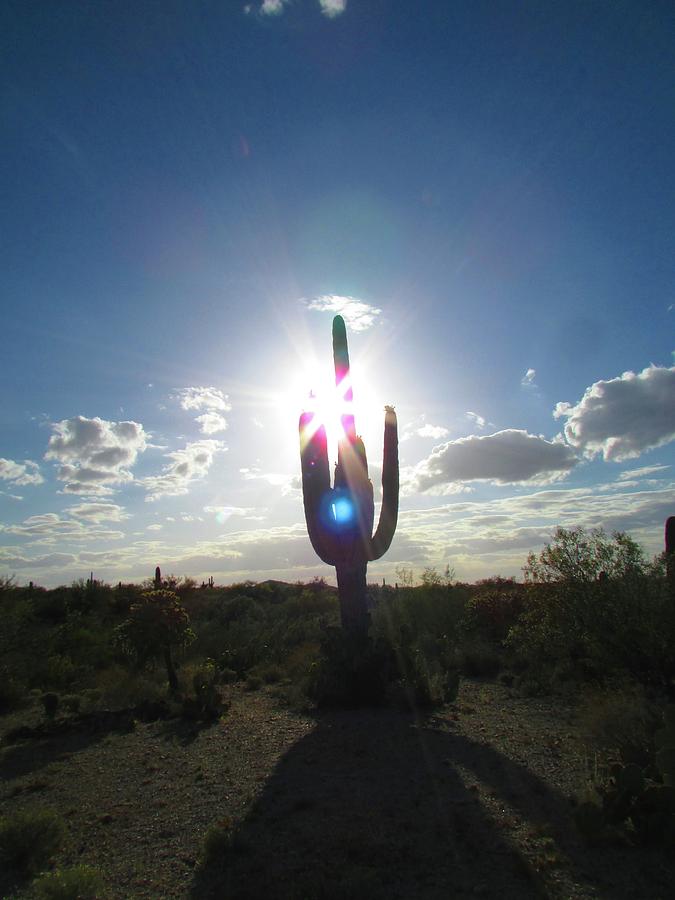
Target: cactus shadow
[{"x": 375, "y": 803}]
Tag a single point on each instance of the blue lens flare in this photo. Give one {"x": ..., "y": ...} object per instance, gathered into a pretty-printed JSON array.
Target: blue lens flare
[
  {"x": 343, "y": 510},
  {"x": 338, "y": 511}
]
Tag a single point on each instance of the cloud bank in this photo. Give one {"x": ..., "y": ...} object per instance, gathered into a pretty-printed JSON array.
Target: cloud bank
[
  {"x": 506, "y": 457},
  {"x": 623, "y": 417}
]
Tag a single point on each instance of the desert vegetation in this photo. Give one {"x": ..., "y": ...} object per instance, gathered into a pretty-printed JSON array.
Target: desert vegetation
[{"x": 590, "y": 629}]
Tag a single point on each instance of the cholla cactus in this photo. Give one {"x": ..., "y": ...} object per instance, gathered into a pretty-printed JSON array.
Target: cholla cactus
[{"x": 340, "y": 519}]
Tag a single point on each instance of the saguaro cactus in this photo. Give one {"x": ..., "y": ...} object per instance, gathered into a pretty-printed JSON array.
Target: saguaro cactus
[
  {"x": 670, "y": 548},
  {"x": 340, "y": 519}
]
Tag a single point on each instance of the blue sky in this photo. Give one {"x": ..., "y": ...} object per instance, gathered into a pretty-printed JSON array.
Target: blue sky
[{"x": 191, "y": 191}]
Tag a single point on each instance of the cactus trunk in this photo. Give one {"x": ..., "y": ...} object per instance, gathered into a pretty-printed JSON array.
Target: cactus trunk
[
  {"x": 340, "y": 519},
  {"x": 353, "y": 595}
]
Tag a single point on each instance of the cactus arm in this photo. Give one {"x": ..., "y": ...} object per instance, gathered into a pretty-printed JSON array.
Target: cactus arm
[
  {"x": 389, "y": 511},
  {"x": 315, "y": 484}
]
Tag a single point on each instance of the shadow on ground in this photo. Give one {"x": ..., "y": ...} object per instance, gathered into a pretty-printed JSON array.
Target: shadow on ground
[
  {"x": 376, "y": 804},
  {"x": 373, "y": 804}
]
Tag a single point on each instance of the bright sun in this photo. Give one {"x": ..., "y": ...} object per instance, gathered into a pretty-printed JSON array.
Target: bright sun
[{"x": 313, "y": 389}]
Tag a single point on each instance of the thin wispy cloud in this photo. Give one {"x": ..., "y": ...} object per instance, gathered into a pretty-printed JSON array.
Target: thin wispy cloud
[
  {"x": 188, "y": 465},
  {"x": 358, "y": 315},
  {"x": 49, "y": 527},
  {"x": 642, "y": 472},
  {"x": 477, "y": 420},
  {"x": 330, "y": 8},
  {"x": 98, "y": 512},
  {"x": 622, "y": 418},
  {"x": 21, "y": 474},
  {"x": 95, "y": 455}
]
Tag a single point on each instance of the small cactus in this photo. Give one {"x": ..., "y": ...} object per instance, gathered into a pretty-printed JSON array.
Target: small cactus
[
  {"x": 340, "y": 519},
  {"x": 158, "y": 579}
]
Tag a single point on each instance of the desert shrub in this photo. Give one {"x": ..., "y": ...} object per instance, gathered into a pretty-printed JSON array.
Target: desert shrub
[
  {"x": 418, "y": 629},
  {"x": 71, "y": 702},
  {"x": 50, "y": 701},
  {"x": 12, "y": 692},
  {"x": 493, "y": 610},
  {"x": 76, "y": 883},
  {"x": 118, "y": 688},
  {"x": 60, "y": 672},
  {"x": 633, "y": 801},
  {"x": 205, "y": 703},
  {"x": 253, "y": 683},
  {"x": 28, "y": 839},
  {"x": 479, "y": 658},
  {"x": 227, "y": 676},
  {"x": 351, "y": 671},
  {"x": 301, "y": 659},
  {"x": 620, "y": 723},
  {"x": 91, "y": 697},
  {"x": 220, "y": 842}
]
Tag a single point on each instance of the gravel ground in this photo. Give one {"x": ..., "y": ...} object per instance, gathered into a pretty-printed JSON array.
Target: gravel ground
[{"x": 474, "y": 800}]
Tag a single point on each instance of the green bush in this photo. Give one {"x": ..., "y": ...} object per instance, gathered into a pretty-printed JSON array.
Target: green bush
[
  {"x": 76, "y": 883},
  {"x": 28, "y": 839},
  {"x": 594, "y": 607}
]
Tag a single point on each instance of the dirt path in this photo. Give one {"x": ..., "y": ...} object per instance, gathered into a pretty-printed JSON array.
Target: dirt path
[{"x": 474, "y": 801}]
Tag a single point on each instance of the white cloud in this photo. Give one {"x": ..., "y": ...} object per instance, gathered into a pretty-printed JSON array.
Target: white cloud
[
  {"x": 94, "y": 453},
  {"x": 506, "y": 457},
  {"x": 202, "y": 398},
  {"x": 48, "y": 527},
  {"x": 287, "y": 483},
  {"x": 211, "y": 399},
  {"x": 223, "y": 513},
  {"x": 211, "y": 423},
  {"x": 528, "y": 379},
  {"x": 272, "y": 7},
  {"x": 22, "y": 473},
  {"x": 332, "y": 8},
  {"x": 358, "y": 315},
  {"x": 433, "y": 431},
  {"x": 155, "y": 527},
  {"x": 98, "y": 512},
  {"x": 641, "y": 472},
  {"x": 186, "y": 466},
  {"x": 623, "y": 417},
  {"x": 478, "y": 421}
]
